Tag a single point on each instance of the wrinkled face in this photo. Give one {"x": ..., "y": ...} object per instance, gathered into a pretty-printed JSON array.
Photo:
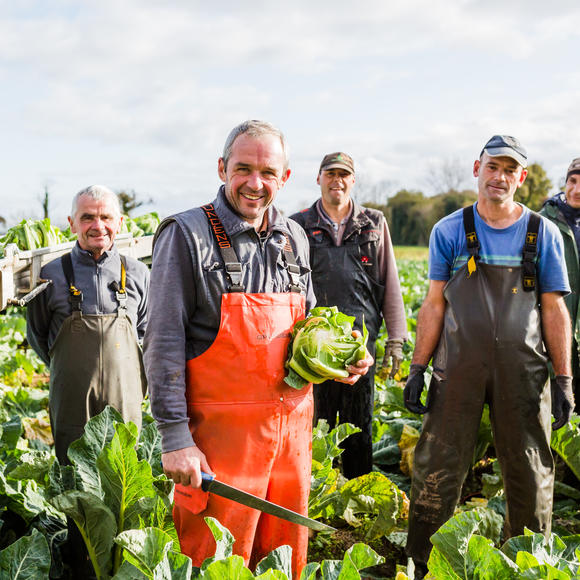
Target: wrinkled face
[
  {"x": 253, "y": 176},
  {"x": 96, "y": 223},
  {"x": 572, "y": 191},
  {"x": 335, "y": 185},
  {"x": 498, "y": 178}
]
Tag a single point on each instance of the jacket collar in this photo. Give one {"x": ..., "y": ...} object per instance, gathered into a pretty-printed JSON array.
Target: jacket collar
[
  {"x": 85, "y": 257},
  {"x": 553, "y": 207},
  {"x": 357, "y": 221}
]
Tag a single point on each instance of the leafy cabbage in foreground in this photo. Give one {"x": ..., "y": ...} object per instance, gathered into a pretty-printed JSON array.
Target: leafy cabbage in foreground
[
  {"x": 322, "y": 347},
  {"x": 465, "y": 548}
]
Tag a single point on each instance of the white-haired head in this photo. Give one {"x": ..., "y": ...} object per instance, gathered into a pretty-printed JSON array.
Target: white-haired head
[{"x": 96, "y": 192}]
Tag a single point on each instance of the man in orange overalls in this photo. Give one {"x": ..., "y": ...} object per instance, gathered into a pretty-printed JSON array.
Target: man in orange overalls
[{"x": 228, "y": 282}]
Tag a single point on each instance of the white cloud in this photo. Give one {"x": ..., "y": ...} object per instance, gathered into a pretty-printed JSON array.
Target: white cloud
[{"x": 142, "y": 93}]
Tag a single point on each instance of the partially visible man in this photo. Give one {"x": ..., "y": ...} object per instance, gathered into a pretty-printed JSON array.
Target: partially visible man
[
  {"x": 564, "y": 210},
  {"x": 353, "y": 267},
  {"x": 86, "y": 326},
  {"x": 497, "y": 280},
  {"x": 228, "y": 282}
]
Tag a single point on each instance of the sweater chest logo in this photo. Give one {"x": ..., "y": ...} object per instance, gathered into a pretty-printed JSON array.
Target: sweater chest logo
[
  {"x": 365, "y": 261},
  {"x": 317, "y": 235}
]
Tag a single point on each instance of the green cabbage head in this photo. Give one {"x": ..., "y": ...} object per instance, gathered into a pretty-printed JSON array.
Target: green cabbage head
[{"x": 322, "y": 346}]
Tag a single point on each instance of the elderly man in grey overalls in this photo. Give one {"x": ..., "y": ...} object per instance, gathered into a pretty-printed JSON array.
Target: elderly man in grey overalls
[
  {"x": 88, "y": 323},
  {"x": 497, "y": 280}
]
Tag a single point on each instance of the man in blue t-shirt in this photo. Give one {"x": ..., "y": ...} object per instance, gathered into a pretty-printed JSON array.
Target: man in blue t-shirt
[{"x": 494, "y": 306}]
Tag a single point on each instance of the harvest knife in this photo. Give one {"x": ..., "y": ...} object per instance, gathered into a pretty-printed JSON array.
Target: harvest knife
[{"x": 209, "y": 483}]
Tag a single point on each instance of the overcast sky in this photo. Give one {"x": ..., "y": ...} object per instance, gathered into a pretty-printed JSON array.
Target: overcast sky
[{"x": 141, "y": 94}]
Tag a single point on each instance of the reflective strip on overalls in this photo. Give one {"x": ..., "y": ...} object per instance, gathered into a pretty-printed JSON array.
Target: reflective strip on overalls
[
  {"x": 253, "y": 428},
  {"x": 95, "y": 361},
  {"x": 490, "y": 351}
]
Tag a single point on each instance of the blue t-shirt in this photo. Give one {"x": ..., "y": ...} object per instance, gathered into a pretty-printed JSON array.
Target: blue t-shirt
[{"x": 448, "y": 249}]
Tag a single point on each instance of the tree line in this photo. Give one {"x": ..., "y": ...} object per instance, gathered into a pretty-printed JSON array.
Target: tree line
[{"x": 411, "y": 214}]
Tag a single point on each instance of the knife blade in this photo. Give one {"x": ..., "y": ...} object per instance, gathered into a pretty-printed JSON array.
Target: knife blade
[{"x": 209, "y": 483}]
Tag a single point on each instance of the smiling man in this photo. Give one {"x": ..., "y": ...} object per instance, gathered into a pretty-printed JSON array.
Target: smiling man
[
  {"x": 353, "y": 267},
  {"x": 86, "y": 326},
  {"x": 228, "y": 282},
  {"x": 497, "y": 280},
  {"x": 564, "y": 210}
]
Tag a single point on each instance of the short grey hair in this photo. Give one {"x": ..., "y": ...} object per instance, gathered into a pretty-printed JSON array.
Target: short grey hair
[
  {"x": 254, "y": 128},
  {"x": 96, "y": 192}
]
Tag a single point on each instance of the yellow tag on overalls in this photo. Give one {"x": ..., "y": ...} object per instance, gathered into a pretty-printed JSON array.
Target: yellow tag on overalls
[{"x": 471, "y": 266}]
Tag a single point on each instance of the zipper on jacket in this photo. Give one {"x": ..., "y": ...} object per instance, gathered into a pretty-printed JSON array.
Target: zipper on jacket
[{"x": 98, "y": 285}]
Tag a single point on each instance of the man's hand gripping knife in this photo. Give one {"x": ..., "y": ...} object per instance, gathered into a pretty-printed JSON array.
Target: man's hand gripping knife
[
  {"x": 185, "y": 465},
  {"x": 562, "y": 400},
  {"x": 413, "y": 389}
]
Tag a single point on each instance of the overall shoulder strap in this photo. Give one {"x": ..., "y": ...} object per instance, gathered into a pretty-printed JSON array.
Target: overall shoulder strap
[
  {"x": 119, "y": 287},
  {"x": 75, "y": 295},
  {"x": 530, "y": 252},
  {"x": 231, "y": 262},
  {"x": 292, "y": 266},
  {"x": 123, "y": 259},
  {"x": 470, "y": 233},
  {"x": 471, "y": 237}
]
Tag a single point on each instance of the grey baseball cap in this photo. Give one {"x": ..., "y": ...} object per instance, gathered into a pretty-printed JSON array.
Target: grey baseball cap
[{"x": 506, "y": 146}]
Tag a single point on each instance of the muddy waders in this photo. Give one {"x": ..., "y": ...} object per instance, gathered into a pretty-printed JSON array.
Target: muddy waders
[
  {"x": 490, "y": 351},
  {"x": 254, "y": 429},
  {"x": 95, "y": 361}
]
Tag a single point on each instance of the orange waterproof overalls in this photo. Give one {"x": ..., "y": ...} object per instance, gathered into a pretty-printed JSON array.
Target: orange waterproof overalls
[{"x": 253, "y": 428}]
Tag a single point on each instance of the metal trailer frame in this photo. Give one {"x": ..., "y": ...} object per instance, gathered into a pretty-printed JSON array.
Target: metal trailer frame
[{"x": 20, "y": 270}]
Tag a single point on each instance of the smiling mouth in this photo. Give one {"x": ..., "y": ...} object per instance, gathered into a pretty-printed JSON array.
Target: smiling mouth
[{"x": 251, "y": 197}]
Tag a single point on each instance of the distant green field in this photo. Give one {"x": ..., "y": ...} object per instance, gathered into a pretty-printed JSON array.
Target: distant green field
[{"x": 411, "y": 252}]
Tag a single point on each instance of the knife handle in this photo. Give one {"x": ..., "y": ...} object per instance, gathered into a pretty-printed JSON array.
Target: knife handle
[{"x": 206, "y": 479}]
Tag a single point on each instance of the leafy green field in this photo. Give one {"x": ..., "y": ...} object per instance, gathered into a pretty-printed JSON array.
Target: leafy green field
[
  {"x": 121, "y": 501},
  {"x": 418, "y": 253}
]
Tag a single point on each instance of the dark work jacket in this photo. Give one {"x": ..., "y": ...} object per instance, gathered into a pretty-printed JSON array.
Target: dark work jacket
[
  {"x": 347, "y": 276},
  {"x": 553, "y": 213}
]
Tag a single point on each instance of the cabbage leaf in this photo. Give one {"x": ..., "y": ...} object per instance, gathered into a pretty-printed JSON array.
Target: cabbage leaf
[{"x": 322, "y": 346}]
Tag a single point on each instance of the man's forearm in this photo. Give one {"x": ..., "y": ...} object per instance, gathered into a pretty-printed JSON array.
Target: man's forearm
[
  {"x": 429, "y": 323},
  {"x": 557, "y": 332},
  {"x": 429, "y": 326}
]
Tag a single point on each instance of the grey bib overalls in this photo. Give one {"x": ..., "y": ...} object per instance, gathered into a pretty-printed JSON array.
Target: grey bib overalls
[
  {"x": 95, "y": 361},
  {"x": 490, "y": 351}
]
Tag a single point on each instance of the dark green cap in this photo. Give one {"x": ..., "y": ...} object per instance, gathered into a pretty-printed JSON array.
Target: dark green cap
[{"x": 337, "y": 160}]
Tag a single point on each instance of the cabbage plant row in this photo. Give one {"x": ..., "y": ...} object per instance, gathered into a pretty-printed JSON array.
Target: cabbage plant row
[{"x": 119, "y": 498}]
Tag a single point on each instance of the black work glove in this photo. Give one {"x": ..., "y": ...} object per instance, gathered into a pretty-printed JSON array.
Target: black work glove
[
  {"x": 414, "y": 388},
  {"x": 562, "y": 400}
]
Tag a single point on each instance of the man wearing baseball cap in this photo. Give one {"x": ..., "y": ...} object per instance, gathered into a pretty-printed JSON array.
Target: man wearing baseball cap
[
  {"x": 490, "y": 267},
  {"x": 353, "y": 268},
  {"x": 564, "y": 210}
]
